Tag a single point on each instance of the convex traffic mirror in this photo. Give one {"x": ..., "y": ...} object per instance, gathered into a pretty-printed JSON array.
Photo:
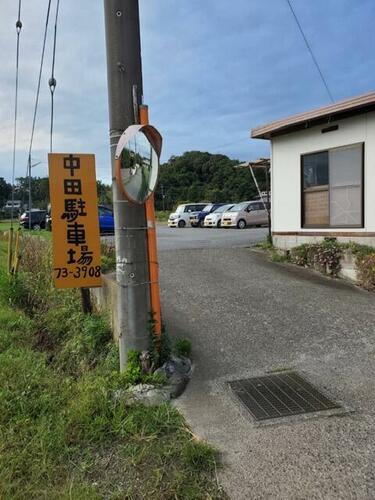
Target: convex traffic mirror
[{"x": 137, "y": 162}]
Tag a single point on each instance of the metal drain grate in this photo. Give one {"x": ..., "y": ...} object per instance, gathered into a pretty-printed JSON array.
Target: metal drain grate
[{"x": 280, "y": 395}]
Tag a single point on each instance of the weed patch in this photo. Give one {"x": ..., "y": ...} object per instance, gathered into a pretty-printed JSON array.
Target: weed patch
[{"x": 64, "y": 433}]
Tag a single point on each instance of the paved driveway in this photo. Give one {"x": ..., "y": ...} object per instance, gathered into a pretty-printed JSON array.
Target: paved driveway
[
  {"x": 189, "y": 237},
  {"x": 246, "y": 316},
  {"x": 181, "y": 238}
]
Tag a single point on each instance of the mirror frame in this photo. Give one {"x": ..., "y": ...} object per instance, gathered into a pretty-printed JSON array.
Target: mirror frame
[{"x": 154, "y": 138}]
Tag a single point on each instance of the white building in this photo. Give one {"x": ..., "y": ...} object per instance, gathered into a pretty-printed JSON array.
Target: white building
[{"x": 323, "y": 173}]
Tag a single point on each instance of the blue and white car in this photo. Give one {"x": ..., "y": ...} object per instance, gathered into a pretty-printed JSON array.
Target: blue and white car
[
  {"x": 197, "y": 220},
  {"x": 181, "y": 216}
]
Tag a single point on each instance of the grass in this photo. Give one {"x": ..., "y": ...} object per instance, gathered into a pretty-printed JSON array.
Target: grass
[
  {"x": 5, "y": 226},
  {"x": 65, "y": 431}
]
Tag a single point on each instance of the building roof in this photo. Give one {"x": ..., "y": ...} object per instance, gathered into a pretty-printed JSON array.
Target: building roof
[{"x": 333, "y": 112}]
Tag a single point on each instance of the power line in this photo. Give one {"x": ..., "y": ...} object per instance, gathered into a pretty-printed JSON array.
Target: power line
[
  {"x": 18, "y": 31},
  {"x": 36, "y": 106},
  {"x": 52, "y": 81},
  {"x": 39, "y": 78},
  {"x": 310, "y": 50}
]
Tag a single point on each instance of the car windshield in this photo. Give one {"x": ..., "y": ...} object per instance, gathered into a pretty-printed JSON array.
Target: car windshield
[
  {"x": 180, "y": 208},
  {"x": 239, "y": 207},
  {"x": 207, "y": 208},
  {"x": 223, "y": 208}
]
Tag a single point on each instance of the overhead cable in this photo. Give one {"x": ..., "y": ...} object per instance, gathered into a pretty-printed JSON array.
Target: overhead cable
[
  {"x": 52, "y": 81},
  {"x": 38, "y": 86},
  {"x": 311, "y": 51},
  {"x": 18, "y": 31}
]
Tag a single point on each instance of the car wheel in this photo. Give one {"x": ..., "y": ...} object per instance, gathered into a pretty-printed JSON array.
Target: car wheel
[
  {"x": 201, "y": 223},
  {"x": 36, "y": 227},
  {"x": 218, "y": 224},
  {"x": 181, "y": 223},
  {"x": 241, "y": 224}
]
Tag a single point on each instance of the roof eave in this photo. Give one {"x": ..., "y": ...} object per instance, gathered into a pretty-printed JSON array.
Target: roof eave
[{"x": 328, "y": 114}]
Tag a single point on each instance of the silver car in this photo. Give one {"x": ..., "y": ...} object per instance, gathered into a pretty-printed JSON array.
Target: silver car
[{"x": 247, "y": 213}]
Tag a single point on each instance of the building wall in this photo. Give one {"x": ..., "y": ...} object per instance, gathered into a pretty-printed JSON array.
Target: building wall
[{"x": 286, "y": 151}]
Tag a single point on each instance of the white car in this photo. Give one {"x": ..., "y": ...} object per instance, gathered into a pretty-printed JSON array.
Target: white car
[
  {"x": 214, "y": 218},
  {"x": 181, "y": 217}
]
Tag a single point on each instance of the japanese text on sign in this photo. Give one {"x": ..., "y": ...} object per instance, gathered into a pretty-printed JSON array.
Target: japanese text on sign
[{"x": 75, "y": 221}]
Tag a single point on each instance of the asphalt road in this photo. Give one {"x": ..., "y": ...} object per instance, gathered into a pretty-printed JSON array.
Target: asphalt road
[
  {"x": 247, "y": 316},
  {"x": 170, "y": 238},
  {"x": 195, "y": 238}
]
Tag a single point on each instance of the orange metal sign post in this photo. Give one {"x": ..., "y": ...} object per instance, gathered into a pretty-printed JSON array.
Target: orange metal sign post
[
  {"x": 75, "y": 221},
  {"x": 152, "y": 245}
]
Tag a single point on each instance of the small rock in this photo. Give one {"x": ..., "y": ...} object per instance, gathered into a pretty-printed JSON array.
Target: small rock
[{"x": 147, "y": 394}]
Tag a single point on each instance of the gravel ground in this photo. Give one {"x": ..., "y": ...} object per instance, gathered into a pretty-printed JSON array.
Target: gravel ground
[{"x": 247, "y": 316}]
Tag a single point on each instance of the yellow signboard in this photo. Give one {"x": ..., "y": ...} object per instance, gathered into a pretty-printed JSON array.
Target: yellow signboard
[{"x": 75, "y": 220}]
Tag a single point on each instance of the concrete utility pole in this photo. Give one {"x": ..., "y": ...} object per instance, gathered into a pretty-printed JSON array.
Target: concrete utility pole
[{"x": 124, "y": 70}]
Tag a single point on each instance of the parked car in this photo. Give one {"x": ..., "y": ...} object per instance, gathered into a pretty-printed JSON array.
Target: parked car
[
  {"x": 38, "y": 219},
  {"x": 247, "y": 213},
  {"x": 181, "y": 216},
  {"x": 214, "y": 218},
  {"x": 197, "y": 219},
  {"x": 106, "y": 220}
]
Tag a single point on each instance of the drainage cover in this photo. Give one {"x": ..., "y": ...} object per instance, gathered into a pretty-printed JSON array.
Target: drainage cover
[{"x": 280, "y": 395}]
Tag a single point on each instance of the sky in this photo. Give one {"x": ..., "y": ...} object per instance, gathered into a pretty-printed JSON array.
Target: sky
[{"x": 212, "y": 71}]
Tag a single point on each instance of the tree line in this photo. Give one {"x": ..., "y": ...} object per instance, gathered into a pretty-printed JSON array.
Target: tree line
[
  {"x": 192, "y": 177},
  {"x": 40, "y": 192},
  {"x": 197, "y": 176}
]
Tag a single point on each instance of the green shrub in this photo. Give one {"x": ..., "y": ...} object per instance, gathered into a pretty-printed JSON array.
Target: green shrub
[
  {"x": 182, "y": 347},
  {"x": 357, "y": 249},
  {"x": 366, "y": 271},
  {"x": 199, "y": 455},
  {"x": 108, "y": 257},
  {"x": 324, "y": 256},
  {"x": 300, "y": 255},
  {"x": 133, "y": 372},
  {"x": 159, "y": 345}
]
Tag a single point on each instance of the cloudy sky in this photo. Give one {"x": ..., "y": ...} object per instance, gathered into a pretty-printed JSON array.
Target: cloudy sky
[{"x": 213, "y": 69}]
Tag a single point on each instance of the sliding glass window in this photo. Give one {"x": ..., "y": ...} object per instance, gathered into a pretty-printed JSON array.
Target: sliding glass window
[{"x": 332, "y": 188}]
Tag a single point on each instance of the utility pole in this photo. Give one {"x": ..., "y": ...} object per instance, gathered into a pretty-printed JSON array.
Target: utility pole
[
  {"x": 124, "y": 70},
  {"x": 29, "y": 165}
]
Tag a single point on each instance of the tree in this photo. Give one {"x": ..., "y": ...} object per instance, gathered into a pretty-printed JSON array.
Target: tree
[
  {"x": 201, "y": 176},
  {"x": 5, "y": 191},
  {"x": 104, "y": 193},
  {"x": 39, "y": 191}
]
